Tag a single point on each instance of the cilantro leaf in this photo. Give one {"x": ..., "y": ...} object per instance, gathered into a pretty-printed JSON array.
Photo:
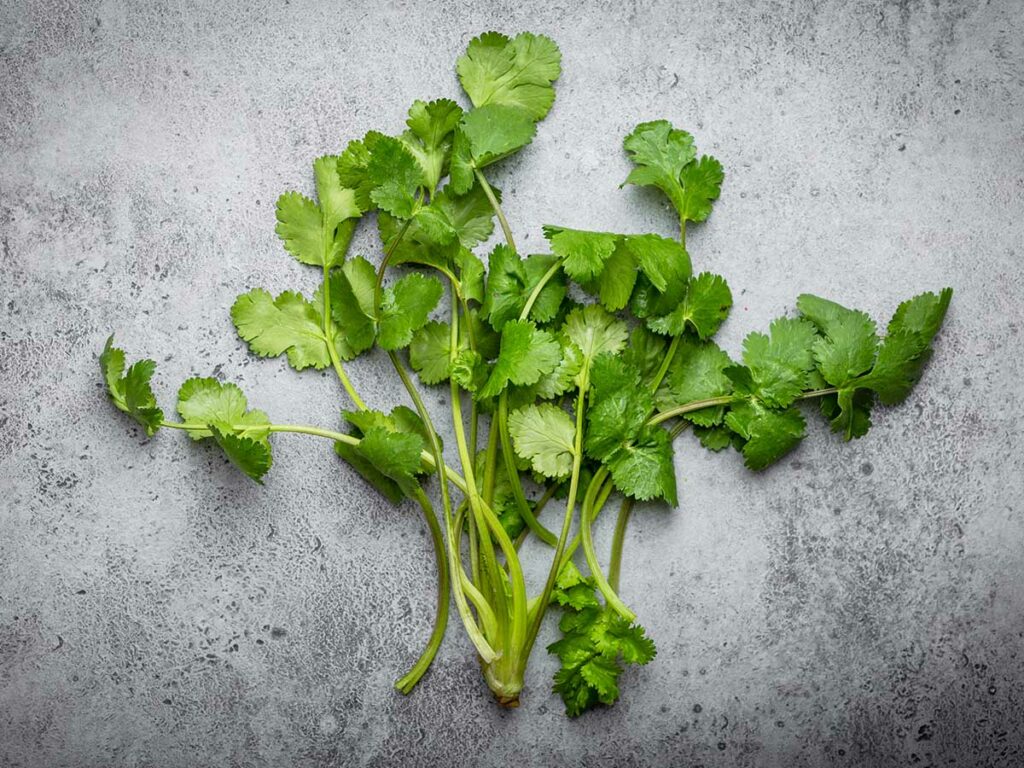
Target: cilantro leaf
[
  {"x": 352, "y": 289},
  {"x": 619, "y": 406},
  {"x": 242, "y": 434},
  {"x": 543, "y": 434},
  {"x": 395, "y": 176},
  {"x": 288, "y": 324},
  {"x": 702, "y": 182},
  {"x": 779, "y": 363},
  {"x": 703, "y": 306},
  {"x": 526, "y": 354},
  {"x": 429, "y": 138},
  {"x": 405, "y": 307},
  {"x": 584, "y": 253},
  {"x": 643, "y": 469},
  {"x": 697, "y": 373},
  {"x": 595, "y": 642},
  {"x": 130, "y": 390},
  {"x": 594, "y": 332},
  {"x": 470, "y": 214},
  {"x": 389, "y": 453},
  {"x": 319, "y": 234},
  {"x": 486, "y": 135},
  {"x": 517, "y": 72},
  {"x": 665, "y": 158},
  {"x": 769, "y": 434},
  {"x": 429, "y": 352},
  {"x": 849, "y": 344},
  {"x": 906, "y": 347},
  {"x": 511, "y": 281}
]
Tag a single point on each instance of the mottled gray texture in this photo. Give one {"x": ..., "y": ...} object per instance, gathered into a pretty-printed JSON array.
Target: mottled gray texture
[{"x": 858, "y": 605}]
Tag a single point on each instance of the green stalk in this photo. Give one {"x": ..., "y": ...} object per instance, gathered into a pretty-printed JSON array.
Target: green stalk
[
  {"x": 570, "y": 506},
  {"x": 492, "y": 198},
  {"x": 485, "y": 517},
  {"x": 409, "y": 680},
  {"x": 615, "y": 563},
  {"x": 488, "y": 560},
  {"x": 329, "y": 336},
  {"x": 483, "y": 647}
]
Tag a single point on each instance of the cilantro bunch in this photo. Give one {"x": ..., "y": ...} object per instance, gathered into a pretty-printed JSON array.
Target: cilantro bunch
[{"x": 569, "y": 373}]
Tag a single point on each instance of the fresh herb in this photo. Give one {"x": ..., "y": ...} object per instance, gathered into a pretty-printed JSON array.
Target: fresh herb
[{"x": 552, "y": 402}]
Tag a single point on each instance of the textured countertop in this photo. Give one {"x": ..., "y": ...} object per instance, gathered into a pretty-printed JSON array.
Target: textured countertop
[{"x": 857, "y": 605}]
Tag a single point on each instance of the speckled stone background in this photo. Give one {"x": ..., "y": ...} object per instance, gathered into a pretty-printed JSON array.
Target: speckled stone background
[{"x": 857, "y": 605}]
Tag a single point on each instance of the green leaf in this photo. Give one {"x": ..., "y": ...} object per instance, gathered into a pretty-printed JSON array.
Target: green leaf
[
  {"x": 769, "y": 434},
  {"x": 470, "y": 214},
  {"x": 697, "y": 373},
  {"x": 288, "y": 324},
  {"x": 352, "y": 290},
  {"x": 253, "y": 457},
  {"x": 594, "y": 641},
  {"x": 544, "y": 434},
  {"x": 405, "y": 307},
  {"x": 396, "y": 177},
  {"x": 645, "y": 351},
  {"x": 242, "y": 434},
  {"x": 849, "y": 411},
  {"x": 517, "y": 72},
  {"x": 662, "y": 260},
  {"x": 906, "y": 348},
  {"x": 594, "y": 331},
  {"x": 779, "y": 362},
  {"x": 319, "y": 234},
  {"x": 429, "y": 352},
  {"x": 584, "y": 253},
  {"x": 714, "y": 438},
  {"x": 703, "y": 307},
  {"x": 644, "y": 469},
  {"x": 130, "y": 390},
  {"x": 849, "y": 344},
  {"x": 511, "y": 281},
  {"x": 665, "y": 158},
  {"x": 485, "y": 136},
  {"x": 526, "y": 354},
  {"x": 619, "y": 406},
  {"x": 210, "y": 402},
  {"x": 471, "y": 276},
  {"x": 429, "y": 137},
  {"x": 389, "y": 454},
  {"x": 701, "y": 181},
  {"x": 659, "y": 152}
]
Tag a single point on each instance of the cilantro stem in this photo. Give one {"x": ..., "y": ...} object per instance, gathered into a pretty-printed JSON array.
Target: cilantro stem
[
  {"x": 525, "y": 512},
  {"x": 544, "y": 279},
  {"x": 698, "y": 405},
  {"x": 492, "y": 198},
  {"x": 570, "y": 506},
  {"x": 615, "y": 563},
  {"x": 408, "y": 681},
  {"x": 670, "y": 353},
  {"x": 587, "y": 537},
  {"x": 485, "y": 517},
  {"x": 483, "y": 647},
  {"x": 329, "y": 335}
]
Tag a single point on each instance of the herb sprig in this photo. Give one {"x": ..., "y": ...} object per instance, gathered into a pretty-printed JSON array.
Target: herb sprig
[{"x": 553, "y": 402}]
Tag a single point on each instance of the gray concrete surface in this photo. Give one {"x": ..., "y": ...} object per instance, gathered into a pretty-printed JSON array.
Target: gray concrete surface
[{"x": 858, "y": 605}]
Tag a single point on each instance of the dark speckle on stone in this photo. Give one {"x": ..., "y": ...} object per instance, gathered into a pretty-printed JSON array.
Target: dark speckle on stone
[
  {"x": 866, "y": 468},
  {"x": 721, "y": 746},
  {"x": 278, "y": 632},
  {"x": 698, "y": 708}
]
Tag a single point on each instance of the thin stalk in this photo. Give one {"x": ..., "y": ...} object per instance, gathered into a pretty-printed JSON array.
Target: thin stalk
[
  {"x": 329, "y": 336},
  {"x": 492, "y": 198},
  {"x": 483, "y": 647},
  {"x": 587, "y": 537},
  {"x": 570, "y": 506},
  {"x": 486, "y": 517},
  {"x": 615, "y": 563},
  {"x": 529, "y": 518},
  {"x": 408, "y": 681}
]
